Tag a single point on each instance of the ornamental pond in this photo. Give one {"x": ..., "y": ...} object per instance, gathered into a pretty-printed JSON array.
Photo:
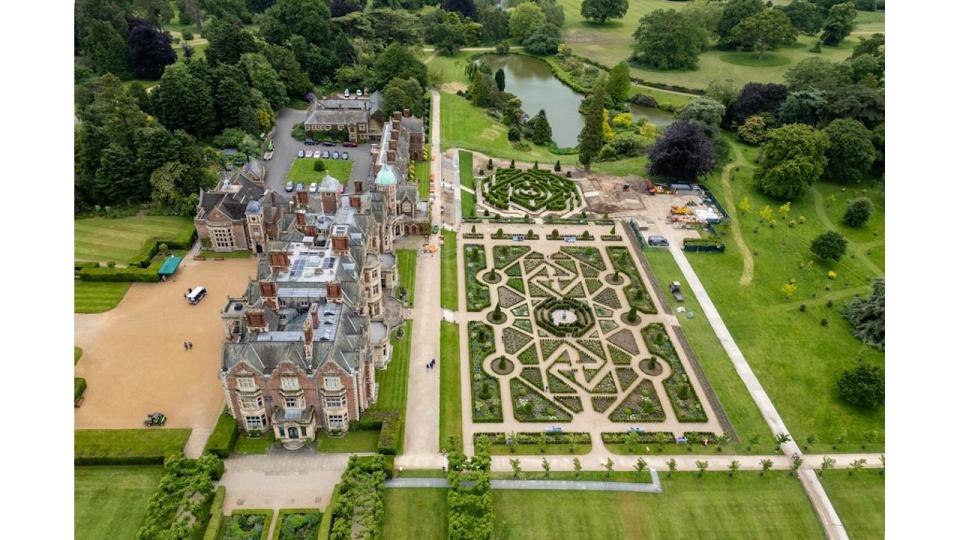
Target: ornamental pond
[{"x": 533, "y": 82}]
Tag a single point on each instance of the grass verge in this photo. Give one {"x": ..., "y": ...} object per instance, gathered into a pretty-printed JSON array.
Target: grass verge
[
  {"x": 449, "y": 281},
  {"x": 302, "y": 170},
  {"x": 407, "y": 269},
  {"x": 111, "y": 502},
  {"x": 393, "y": 380},
  {"x": 96, "y": 296},
  {"x": 451, "y": 416},
  {"x": 859, "y": 500},
  {"x": 352, "y": 442},
  {"x": 415, "y": 514}
]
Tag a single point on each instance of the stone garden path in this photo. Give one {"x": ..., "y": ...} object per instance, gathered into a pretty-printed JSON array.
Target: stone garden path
[{"x": 555, "y": 485}]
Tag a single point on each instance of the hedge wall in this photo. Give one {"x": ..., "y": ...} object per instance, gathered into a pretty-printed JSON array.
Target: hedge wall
[
  {"x": 224, "y": 436},
  {"x": 79, "y": 385},
  {"x": 133, "y": 273},
  {"x": 216, "y": 514}
]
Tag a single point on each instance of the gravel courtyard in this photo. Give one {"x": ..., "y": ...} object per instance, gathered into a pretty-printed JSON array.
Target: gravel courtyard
[{"x": 133, "y": 357}]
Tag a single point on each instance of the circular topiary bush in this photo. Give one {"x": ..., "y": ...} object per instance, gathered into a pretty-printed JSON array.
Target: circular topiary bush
[
  {"x": 502, "y": 366},
  {"x": 651, "y": 366},
  {"x": 491, "y": 276}
]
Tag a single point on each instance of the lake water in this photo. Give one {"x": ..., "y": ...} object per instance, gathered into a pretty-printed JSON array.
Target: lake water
[{"x": 533, "y": 82}]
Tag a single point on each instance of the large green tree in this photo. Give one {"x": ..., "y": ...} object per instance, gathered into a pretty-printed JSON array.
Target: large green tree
[
  {"x": 839, "y": 23},
  {"x": 262, "y": 77},
  {"x": 734, "y": 12},
  {"x": 307, "y": 18},
  {"x": 227, "y": 41},
  {"x": 704, "y": 110},
  {"x": 804, "y": 15},
  {"x": 867, "y": 316},
  {"x": 764, "y": 31},
  {"x": 397, "y": 61},
  {"x": 618, "y": 82},
  {"x": 537, "y": 129},
  {"x": 591, "y": 136},
  {"x": 851, "y": 152},
  {"x": 601, "y": 10},
  {"x": 183, "y": 101},
  {"x": 791, "y": 160},
  {"x": 526, "y": 19},
  {"x": 668, "y": 39},
  {"x": 830, "y": 245}
]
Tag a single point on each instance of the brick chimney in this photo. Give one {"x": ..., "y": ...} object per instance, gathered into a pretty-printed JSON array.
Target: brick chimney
[
  {"x": 315, "y": 315},
  {"x": 310, "y": 230},
  {"x": 256, "y": 320},
  {"x": 301, "y": 216},
  {"x": 303, "y": 198},
  {"x": 355, "y": 201},
  {"x": 406, "y": 113},
  {"x": 279, "y": 260},
  {"x": 307, "y": 339},
  {"x": 333, "y": 291},
  {"x": 268, "y": 291}
]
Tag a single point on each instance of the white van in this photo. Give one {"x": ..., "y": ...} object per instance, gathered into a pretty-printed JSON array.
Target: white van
[{"x": 196, "y": 294}]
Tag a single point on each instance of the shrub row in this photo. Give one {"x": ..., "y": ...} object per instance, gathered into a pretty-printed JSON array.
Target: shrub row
[
  {"x": 294, "y": 523},
  {"x": 327, "y": 520},
  {"x": 531, "y": 437},
  {"x": 357, "y": 511},
  {"x": 79, "y": 385},
  {"x": 184, "y": 240},
  {"x": 183, "y": 499},
  {"x": 390, "y": 441}
]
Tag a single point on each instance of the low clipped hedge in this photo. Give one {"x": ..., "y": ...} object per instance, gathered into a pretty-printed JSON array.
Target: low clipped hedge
[
  {"x": 149, "y": 274},
  {"x": 184, "y": 240},
  {"x": 127, "y": 446},
  {"x": 390, "y": 424},
  {"x": 224, "y": 437},
  {"x": 79, "y": 385},
  {"x": 216, "y": 514},
  {"x": 327, "y": 520}
]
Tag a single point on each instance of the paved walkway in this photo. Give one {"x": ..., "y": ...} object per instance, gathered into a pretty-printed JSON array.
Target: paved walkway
[
  {"x": 197, "y": 441},
  {"x": 281, "y": 479},
  {"x": 554, "y": 485},
  {"x": 421, "y": 441}
]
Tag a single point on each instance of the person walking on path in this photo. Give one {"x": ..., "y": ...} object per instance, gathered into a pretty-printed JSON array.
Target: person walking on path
[{"x": 184, "y": 345}]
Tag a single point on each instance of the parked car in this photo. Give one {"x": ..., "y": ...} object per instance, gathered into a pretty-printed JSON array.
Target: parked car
[
  {"x": 313, "y": 187},
  {"x": 657, "y": 241},
  {"x": 301, "y": 153},
  {"x": 326, "y": 154},
  {"x": 300, "y": 186},
  {"x": 196, "y": 294},
  {"x": 343, "y": 155},
  {"x": 436, "y": 229},
  {"x": 290, "y": 186},
  {"x": 349, "y": 144},
  {"x": 336, "y": 155},
  {"x": 310, "y": 142},
  {"x": 316, "y": 154},
  {"x": 267, "y": 156},
  {"x": 329, "y": 143}
]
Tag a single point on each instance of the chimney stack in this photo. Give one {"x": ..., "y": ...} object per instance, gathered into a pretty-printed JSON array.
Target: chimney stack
[
  {"x": 315, "y": 315},
  {"x": 279, "y": 260},
  {"x": 406, "y": 113},
  {"x": 301, "y": 216},
  {"x": 333, "y": 291},
  {"x": 303, "y": 198},
  {"x": 256, "y": 320},
  {"x": 355, "y": 201},
  {"x": 307, "y": 339}
]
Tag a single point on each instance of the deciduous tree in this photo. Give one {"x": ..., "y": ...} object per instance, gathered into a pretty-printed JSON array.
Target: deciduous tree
[
  {"x": 601, "y": 10},
  {"x": 829, "y": 245},
  {"x": 683, "y": 152},
  {"x": 668, "y": 39},
  {"x": 839, "y": 23},
  {"x": 791, "y": 159},
  {"x": 862, "y": 386},
  {"x": 850, "y": 154}
]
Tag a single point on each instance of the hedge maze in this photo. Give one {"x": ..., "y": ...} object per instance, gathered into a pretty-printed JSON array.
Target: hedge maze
[
  {"x": 532, "y": 190},
  {"x": 563, "y": 346}
]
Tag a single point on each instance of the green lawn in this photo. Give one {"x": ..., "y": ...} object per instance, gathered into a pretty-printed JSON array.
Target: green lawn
[
  {"x": 119, "y": 240},
  {"x": 449, "y": 297},
  {"x": 797, "y": 360},
  {"x": 120, "y": 443},
  {"x": 468, "y": 204},
  {"x": 422, "y": 169},
  {"x": 859, "y": 500},
  {"x": 111, "y": 502},
  {"x": 450, "y": 411},
  {"x": 97, "y": 296},
  {"x": 407, "y": 268},
  {"x": 352, "y": 442},
  {"x": 415, "y": 514},
  {"x": 249, "y": 445},
  {"x": 450, "y": 68},
  {"x": 612, "y": 42},
  {"x": 714, "y": 506},
  {"x": 302, "y": 170},
  {"x": 731, "y": 392},
  {"x": 466, "y": 169},
  {"x": 393, "y": 380}
]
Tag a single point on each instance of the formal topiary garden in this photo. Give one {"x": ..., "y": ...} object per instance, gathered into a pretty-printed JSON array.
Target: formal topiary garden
[
  {"x": 484, "y": 387},
  {"x": 532, "y": 190}
]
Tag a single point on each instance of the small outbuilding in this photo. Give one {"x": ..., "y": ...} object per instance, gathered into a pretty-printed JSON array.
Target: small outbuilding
[{"x": 170, "y": 266}]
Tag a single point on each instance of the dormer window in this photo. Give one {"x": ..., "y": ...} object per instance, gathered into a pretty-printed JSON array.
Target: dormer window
[
  {"x": 289, "y": 384},
  {"x": 246, "y": 384}
]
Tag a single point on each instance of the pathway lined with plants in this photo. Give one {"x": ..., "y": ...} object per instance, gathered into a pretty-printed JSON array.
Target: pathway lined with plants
[
  {"x": 730, "y": 204},
  {"x": 549, "y": 485}
]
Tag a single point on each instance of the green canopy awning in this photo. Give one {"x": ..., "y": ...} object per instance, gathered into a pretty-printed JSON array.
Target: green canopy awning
[{"x": 170, "y": 265}]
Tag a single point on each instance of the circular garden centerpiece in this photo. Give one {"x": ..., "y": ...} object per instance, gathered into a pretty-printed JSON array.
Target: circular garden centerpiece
[
  {"x": 534, "y": 190},
  {"x": 564, "y": 317}
]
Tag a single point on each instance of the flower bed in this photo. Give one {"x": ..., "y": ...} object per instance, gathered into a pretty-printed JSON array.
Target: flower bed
[
  {"x": 513, "y": 270},
  {"x": 475, "y": 261},
  {"x": 682, "y": 396},
  {"x": 624, "y": 340},
  {"x": 627, "y": 376},
  {"x": 619, "y": 357},
  {"x": 529, "y": 356},
  {"x": 484, "y": 388},
  {"x": 593, "y": 285},
  {"x": 636, "y": 292},
  {"x": 182, "y": 499},
  {"x": 357, "y": 509},
  {"x": 508, "y": 298},
  {"x": 571, "y": 402},
  {"x": 605, "y": 386},
  {"x": 589, "y": 255},
  {"x": 556, "y": 385},
  {"x": 523, "y": 324},
  {"x": 609, "y": 298},
  {"x": 594, "y": 346},
  {"x": 641, "y": 405},
  {"x": 246, "y": 525},
  {"x": 532, "y": 406},
  {"x": 298, "y": 524},
  {"x": 533, "y": 376},
  {"x": 516, "y": 284},
  {"x": 504, "y": 255},
  {"x": 514, "y": 340},
  {"x": 602, "y": 403},
  {"x": 521, "y": 311}
]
